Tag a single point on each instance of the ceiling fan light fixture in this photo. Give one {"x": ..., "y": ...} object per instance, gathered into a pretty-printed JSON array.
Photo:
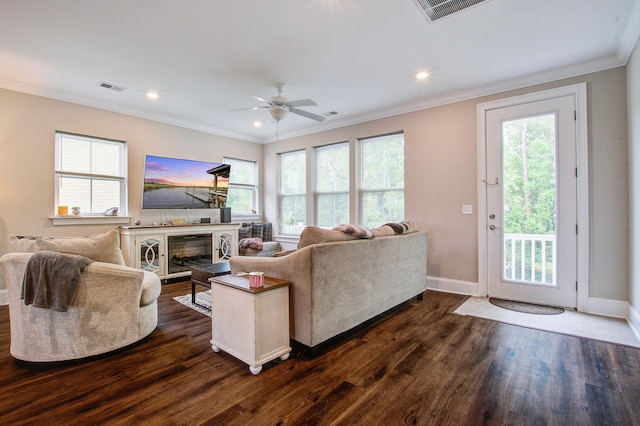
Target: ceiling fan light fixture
[{"x": 278, "y": 113}]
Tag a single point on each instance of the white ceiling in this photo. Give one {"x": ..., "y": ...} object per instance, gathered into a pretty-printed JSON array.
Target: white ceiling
[{"x": 356, "y": 57}]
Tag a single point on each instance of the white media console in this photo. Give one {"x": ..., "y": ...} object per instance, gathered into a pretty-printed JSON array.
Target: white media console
[{"x": 171, "y": 250}]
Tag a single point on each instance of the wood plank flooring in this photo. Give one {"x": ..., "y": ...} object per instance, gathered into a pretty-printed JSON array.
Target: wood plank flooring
[{"x": 422, "y": 365}]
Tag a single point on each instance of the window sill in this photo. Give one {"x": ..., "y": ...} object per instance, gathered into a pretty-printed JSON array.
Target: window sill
[
  {"x": 89, "y": 220},
  {"x": 291, "y": 239},
  {"x": 246, "y": 217}
]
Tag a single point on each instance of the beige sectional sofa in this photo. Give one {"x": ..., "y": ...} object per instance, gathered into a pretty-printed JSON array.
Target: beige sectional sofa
[{"x": 343, "y": 282}]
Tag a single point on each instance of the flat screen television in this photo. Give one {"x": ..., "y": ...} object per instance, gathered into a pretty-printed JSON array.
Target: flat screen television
[{"x": 174, "y": 183}]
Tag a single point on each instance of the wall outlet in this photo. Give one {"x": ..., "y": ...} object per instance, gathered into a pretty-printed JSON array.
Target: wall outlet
[{"x": 467, "y": 209}]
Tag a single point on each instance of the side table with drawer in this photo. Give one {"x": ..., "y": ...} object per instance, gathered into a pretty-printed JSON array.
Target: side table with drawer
[{"x": 252, "y": 324}]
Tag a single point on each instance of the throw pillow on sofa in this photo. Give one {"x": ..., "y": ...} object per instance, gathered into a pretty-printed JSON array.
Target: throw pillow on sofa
[
  {"x": 261, "y": 230},
  {"x": 24, "y": 244},
  {"x": 250, "y": 243},
  {"x": 314, "y": 235},
  {"x": 99, "y": 247},
  {"x": 244, "y": 232}
]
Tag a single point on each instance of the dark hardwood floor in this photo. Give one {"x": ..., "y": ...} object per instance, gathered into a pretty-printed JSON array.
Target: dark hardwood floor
[{"x": 422, "y": 365}]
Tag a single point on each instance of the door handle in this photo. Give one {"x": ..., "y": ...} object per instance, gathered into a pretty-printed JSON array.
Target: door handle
[
  {"x": 489, "y": 183},
  {"x": 492, "y": 227}
]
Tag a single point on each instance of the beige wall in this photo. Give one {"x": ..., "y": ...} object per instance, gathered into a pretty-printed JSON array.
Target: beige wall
[
  {"x": 441, "y": 176},
  {"x": 633, "y": 102},
  {"x": 27, "y": 126},
  {"x": 441, "y": 170}
]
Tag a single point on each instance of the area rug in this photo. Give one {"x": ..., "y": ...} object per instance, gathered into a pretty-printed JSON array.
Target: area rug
[
  {"x": 203, "y": 298},
  {"x": 527, "y": 308},
  {"x": 569, "y": 322}
]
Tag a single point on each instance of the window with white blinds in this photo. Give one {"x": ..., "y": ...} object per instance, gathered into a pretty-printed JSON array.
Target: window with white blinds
[
  {"x": 381, "y": 190},
  {"x": 90, "y": 173},
  {"x": 293, "y": 192},
  {"x": 243, "y": 186},
  {"x": 332, "y": 184}
]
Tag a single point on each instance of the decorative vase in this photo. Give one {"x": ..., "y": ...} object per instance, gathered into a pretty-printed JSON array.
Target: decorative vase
[{"x": 75, "y": 210}]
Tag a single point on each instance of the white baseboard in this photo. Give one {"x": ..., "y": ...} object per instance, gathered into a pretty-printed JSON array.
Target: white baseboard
[
  {"x": 597, "y": 306},
  {"x": 634, "y": 321},
  {"x": 452, "y": 286},
  {"x": 608, "y": 307},
  {"x": 4, "y": 297}
]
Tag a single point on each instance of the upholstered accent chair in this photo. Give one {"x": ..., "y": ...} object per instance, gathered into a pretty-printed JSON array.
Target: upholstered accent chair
[{"x": 114, "y": 305}]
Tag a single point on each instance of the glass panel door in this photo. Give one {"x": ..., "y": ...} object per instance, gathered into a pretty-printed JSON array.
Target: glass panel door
[{"x": 531, "y": 202}]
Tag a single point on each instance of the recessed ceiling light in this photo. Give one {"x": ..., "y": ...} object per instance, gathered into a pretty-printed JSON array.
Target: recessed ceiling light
[
  {"x": 152, "y": 95},
  {"x": 422, "y": 75},
  {"x": 257, "y": 124}
]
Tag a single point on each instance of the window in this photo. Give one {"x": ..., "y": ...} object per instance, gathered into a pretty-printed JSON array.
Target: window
[
  {"x": 90, "y": 173},
  {"x": 293, "y": 192},
  {"x": 382, "y": 180},
  {"x": 243, "y": 187},
  {"x": 332, "y": 185}
]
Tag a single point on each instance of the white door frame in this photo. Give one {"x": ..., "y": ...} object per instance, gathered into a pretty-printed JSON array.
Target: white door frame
[{"x": 579, "y": 91}]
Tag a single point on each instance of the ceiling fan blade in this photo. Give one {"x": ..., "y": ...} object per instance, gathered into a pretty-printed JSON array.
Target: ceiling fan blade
[
  {"x": 307, "y": 114},
  {"x": 260, "y": 99},
  {"x": 301, "y": 103},
  {"x": 246, "y": 109}
]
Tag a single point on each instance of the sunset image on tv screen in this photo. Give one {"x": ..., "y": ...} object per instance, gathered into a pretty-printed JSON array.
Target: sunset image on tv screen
[{"x": 173, "y": 183}]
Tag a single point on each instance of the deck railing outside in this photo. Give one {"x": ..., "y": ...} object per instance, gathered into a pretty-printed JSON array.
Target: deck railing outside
[{"x": 530, "y": 258}]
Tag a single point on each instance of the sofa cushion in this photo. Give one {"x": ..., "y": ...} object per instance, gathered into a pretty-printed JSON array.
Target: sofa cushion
[
  {"x": 314, "y": 235},
  {"x": 99, "y": 247}
]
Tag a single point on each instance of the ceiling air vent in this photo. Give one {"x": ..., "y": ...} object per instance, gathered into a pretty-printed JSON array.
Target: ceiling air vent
[
  {"x": 111, "y": 86},
  {"x": 436, "y": 9}
]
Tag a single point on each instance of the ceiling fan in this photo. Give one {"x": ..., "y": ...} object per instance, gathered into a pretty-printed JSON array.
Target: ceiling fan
[{"x": 279, "y": 107}]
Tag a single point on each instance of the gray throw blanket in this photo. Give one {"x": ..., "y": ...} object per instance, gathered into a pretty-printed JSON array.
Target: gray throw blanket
[{"x": 51, "y": 279}]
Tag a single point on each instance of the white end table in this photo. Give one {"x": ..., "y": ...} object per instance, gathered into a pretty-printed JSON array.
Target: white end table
[{"x": 252, "y": 324}]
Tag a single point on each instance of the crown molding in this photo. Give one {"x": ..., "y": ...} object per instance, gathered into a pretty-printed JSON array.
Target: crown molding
[
  {"x": 630, "y": 36},
  {"x": 107, "y": 106},
  {"x": 603, "y": 64}
]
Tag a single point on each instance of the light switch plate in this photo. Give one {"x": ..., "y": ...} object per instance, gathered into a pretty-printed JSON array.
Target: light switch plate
[{"x": 467, "y": 209}]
